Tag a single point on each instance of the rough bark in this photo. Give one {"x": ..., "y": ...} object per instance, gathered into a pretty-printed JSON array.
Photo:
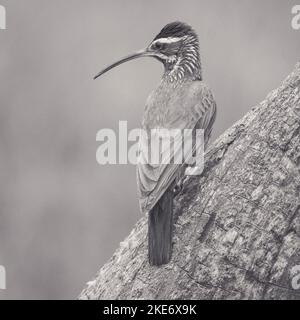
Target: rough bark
[{"x": 238, "y": 230}]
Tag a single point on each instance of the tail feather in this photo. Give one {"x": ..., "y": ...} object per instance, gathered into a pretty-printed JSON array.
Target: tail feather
[{"x": 160, "y": 230}]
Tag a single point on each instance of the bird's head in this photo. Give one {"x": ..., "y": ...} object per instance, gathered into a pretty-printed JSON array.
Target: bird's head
[{"x": 177, "y": 47}]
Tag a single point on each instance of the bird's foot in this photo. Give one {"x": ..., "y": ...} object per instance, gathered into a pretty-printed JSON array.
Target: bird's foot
[{"x": 193, "y": 171}]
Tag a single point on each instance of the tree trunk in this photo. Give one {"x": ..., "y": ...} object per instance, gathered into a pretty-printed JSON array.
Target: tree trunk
[{"x": 237, "y": 235}]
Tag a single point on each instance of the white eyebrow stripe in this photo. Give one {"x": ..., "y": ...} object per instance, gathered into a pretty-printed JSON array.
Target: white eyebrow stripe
[{"x": 167, "y": 40}]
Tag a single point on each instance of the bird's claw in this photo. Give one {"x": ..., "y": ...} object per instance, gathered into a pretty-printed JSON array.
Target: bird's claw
[{"x": 193, "y": 171}]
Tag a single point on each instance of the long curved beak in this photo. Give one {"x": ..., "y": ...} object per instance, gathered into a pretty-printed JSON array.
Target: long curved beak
[{"x": 138, "y": 54}]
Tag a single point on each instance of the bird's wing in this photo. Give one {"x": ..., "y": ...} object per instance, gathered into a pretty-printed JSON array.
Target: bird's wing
[{"x": 154, "y": 179}]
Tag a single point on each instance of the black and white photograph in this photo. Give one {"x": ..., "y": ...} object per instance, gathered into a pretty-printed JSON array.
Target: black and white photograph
[{"x": 149, "y": 151}]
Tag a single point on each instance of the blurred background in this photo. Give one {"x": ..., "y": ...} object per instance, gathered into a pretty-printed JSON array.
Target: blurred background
[{"x": 61, "y": 214}]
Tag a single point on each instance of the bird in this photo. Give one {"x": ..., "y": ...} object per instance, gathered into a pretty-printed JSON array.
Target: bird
[{"x": 182, "y": 100}]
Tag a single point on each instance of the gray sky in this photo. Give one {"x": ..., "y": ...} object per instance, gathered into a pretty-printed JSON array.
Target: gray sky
[{"x": 62, "y": 215}]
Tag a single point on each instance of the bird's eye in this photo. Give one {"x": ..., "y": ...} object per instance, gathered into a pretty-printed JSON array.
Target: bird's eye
[{"x": 158, "y": 46}]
